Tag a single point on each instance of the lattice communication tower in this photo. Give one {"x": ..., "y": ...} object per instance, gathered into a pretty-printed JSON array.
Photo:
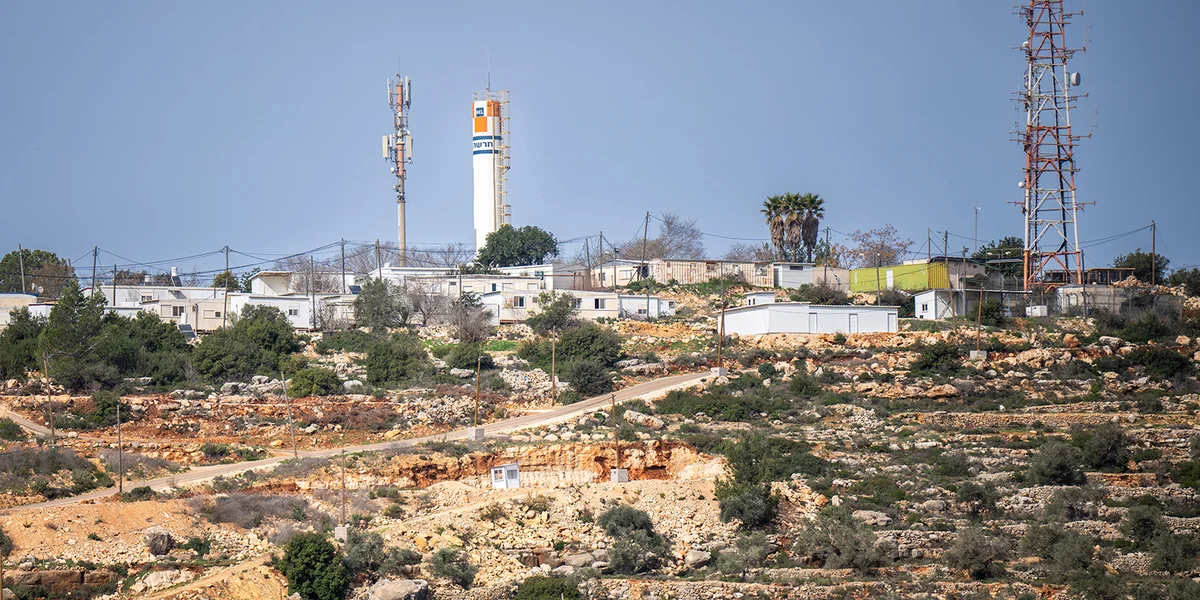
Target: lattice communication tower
[
  {"x": 1052, "y": 255},
  {"x": 397, "y": 150}
]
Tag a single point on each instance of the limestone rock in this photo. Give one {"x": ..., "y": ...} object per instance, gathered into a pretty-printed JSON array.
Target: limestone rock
[
  {"x": 579, "y": 560},
  {"x": 942, "y": 391},
  {"x": 158, "y": 541},
  {"x": 696, "y": 558},
  {"x": 399, "y": 589},
  {"x": 351, "y": 385},
  {"x": 873, "y": 518},
  {"x": 1110, "y": 341},
  {"x": 643, "y": 420}
]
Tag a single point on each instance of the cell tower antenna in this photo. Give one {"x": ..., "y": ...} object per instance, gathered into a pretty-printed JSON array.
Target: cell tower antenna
[
  {"x": 489, "y": 67},
  {"x": 1051, "y": 254},
  {"x": 397, "y": 150}
]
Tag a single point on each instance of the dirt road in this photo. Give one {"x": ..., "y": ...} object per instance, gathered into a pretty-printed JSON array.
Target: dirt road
[{"x": 550, "y": 417}]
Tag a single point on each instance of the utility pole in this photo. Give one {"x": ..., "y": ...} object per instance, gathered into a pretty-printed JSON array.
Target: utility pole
[
  {"x": 49, "y": 400},
  {"x": 291, "y": 423},
  {"x": 553, "y": 360},
  {"x": 616, "y": 427},
  {"x": 120, "y": 453},
  {"x": 21, "y": 262},
  {"x": 478, "y": 376},
  {"x": 949, "y": 282},
  {"x": 600, "y": 257},
  {"x": 95, "y": 256},
  {"x": 721, "y": 324},
  {"x": 828, "y": 252},
  {"x": 225, "y": 292},
  {"x": 343, "y": 242},
  {"x": 877, "y": 283},
  {"x": 312, "y": 293},
  {"x": 343, "y": 486},
  {"x": 1153, "y": 254},
  {"x": 587, "y": 253},
  {"x": 114, "y": 285},
  {"x": 928, "y": 245},
  {"x": 378, "y": 260},
  {"x": 976, "y": 238},
  {"x": 979, "y": 320},
  {"x": 646, "y": 265}
]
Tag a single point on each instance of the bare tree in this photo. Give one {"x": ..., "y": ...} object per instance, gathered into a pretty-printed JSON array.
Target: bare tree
[
  {"x": 881, "y": 246},
  {"x": 328, "y": 317},
  {"x": 677, "y": 238},
  {"x": 471, "y": 321},
  {"x": 750, "y": 253},
  {"x": 312, "y": 276},
  {"x": 449, "y": 256},
  {"x": 424, "y": 301}
]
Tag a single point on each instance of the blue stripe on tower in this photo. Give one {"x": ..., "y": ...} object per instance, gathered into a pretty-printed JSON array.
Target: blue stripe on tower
[
  {"x": 484, "y": 152},
  {"x": 483, "y": 138}
]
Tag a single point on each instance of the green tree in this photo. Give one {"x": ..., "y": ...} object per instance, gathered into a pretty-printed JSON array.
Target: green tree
[
  {"x": 1057, "y": 463},
  {"x": 814, "y": 210},
  {"x": 794, "y": 224},
  {"x": 978, "y": 552},
  {"x": 636, "y": 546},
  {"x": 1144, "y": 264},
  {"x": 43, "y": 269},
  {"x": 1188, "y": 278},
  {"x": 1104, "y": 447},
  {"x": 70, "y": 338},
  {"x": 396, "y": 359},
  {"x": 313, "y": 381},
  {"x": 314, "y": 568},
  {"x": 227, "y": 280},
  {"x": 19, "y": 343},
  {"x": 1142, "y": 523},
  {"x": 589, "y": 341},
  {"x": 380, "y": 305},
  {"x": 557, "y": 313},
  {"x": 835, "y": 540},
  {"x": 775, "y": 212},
  {"x": 511, "y": 247},
  {"x": 1008, "y": 248},
  {"x": 246, "y": 283},
  {"x": 255, "y": 344}
]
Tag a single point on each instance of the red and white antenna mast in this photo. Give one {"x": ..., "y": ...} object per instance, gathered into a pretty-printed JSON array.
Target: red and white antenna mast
[{"x": 1050, "y": 205}]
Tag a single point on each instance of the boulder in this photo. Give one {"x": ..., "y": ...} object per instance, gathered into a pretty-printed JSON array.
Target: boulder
[
  {"x": 260, "y": 380},
  {"x": 7, "y": 594},
  {"x": 462, "y": 373},
  {"x": 1183, "y": 340},
  {"x": 1110, "y": 341},
  {"x": 351, "y": 385},
  {"x": 399, "y": 589},
  {"x": 231, "y": 387},
  {"x": 696, "y": 558},
  {"x": 643, "y": 420},
  {"x": 1070, "y": 340},
  {"x": 942, "y": 391},
  {"x": 158, "y": 541},
  {"x": 873, "y": 518},
  {"x": 579, "y": 560}
]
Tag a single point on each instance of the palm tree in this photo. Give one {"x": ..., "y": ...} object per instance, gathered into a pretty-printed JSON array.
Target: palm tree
[
  {"x": 814, "y": 209},
  {"x": 774, "y": 210},
  {"x": 795, "y": 224}
]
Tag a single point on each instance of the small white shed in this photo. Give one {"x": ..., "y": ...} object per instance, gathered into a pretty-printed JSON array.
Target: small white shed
[{"x": 506, "y": 476}]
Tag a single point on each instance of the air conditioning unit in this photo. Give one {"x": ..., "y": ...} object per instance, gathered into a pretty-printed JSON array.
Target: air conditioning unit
[{"x": 1040, "y": 310}]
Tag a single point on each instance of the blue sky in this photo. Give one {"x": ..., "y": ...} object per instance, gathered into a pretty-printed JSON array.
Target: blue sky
[{"x": 158, "y": 130}]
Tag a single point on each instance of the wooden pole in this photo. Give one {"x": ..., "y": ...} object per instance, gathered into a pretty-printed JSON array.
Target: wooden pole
[
  {"x": 478, "y": 376},
  {"x": 343, "y": 242},
  {"x": 21, "y": 263},
  {"x": 1153, "y": 254},
  {"x": 378, "y": 260},
  {"x": 646, "y": 265},
  {"x": 979, "y": 320},
  {"x": 343, "y": 486},
  {"x": 224, "y": 293},
  {"x": 291, "y": 423},
  {"x": 616, "y": 426},
  {"x": 49, "y": 401},
  {"x": 721, "y": 324},
  {"x": 120, "y": 453},
  {"x": 553, "y": 361},
  {"x": 95, "y": 255}
]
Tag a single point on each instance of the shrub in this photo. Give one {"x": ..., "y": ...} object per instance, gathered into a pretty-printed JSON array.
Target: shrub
[
  {"x": 354, "y": 340},
  {"x": 493, "y": 512},
  {"x": 753, "y": 504},
  {"x": 1142, "y": 523},
  {"x": 465, "y": 356},
  {"x": 954, "y": 464},
  {"x": 396, "y": 359},
  {"x": 991, "y": 314},
  {"x": 367, "y": 556},
  {"x": 1159, "y": 362},
  {"x": 199, "y": 545},
  {"x": 980, "y": 499},
  {"x": 623, "y": 519},
  {"x": 10, "y": 431},
  {"x": 906, "y": 302},
  {"x": 138, "y": 494},
  {"x": 313, "y": 568},
  {"x": 313, "y": 381},
  {"x": 767, "y": 370},
  {"x": 6, "y": 544},
  {"x": 635, "y": 552},
  {"x": 939, "y": 358},
  {"x": 835, "y": 540},
  {"x": 588, "y": 377},
  {"x": 589, "y": 342},
  {"x": 538, "y": 504},
  {"x": 978, "y": 552},
  {"x": 1148, "y": 326},
  {"x": 820, "y": 293},
  {"x": 751, "y": 552},
  {"x": 451, "y": 563},
  {"x": 540, "y": 587},
  {"x": 1057, "y": 463},
  {"x": 249, "y": 510},
  {"x": 1173, "y": 553},
  {"x": 1104, "y": 447},
  {"x": 100, "y": 411}
]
